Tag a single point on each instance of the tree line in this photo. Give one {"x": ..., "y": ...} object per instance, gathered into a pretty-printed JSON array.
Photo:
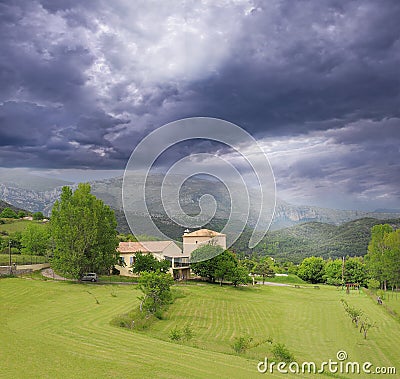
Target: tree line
[{"x": 383, "y": 257}]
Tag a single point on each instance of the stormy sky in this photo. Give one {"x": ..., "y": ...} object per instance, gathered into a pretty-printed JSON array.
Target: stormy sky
[{"x": 317, "y": 83}]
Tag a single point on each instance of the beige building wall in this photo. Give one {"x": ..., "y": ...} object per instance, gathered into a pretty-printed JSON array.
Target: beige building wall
[
  {"x": 159, "y": 250},
  {"x": 192, "y": 241}
]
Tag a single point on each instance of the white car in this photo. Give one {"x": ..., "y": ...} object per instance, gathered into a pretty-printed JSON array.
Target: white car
[{"x": 90, "y": 277}]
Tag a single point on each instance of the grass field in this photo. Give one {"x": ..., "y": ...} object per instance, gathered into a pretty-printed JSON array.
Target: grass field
[
  {"x": 392, "y": 300},
  {"x": 56, "y": 330},
  {"x": 22, "y": 259},
  {"x": 12, "y": 226},
  {"x": 290, "y": 279}
]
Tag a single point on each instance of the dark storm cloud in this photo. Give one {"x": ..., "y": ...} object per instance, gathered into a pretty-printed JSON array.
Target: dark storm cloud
[
  {"x": 305, "y": 65},
  {"x": 81, "y": 83}
]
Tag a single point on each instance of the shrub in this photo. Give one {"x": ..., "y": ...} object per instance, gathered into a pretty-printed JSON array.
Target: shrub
[
  {"x": 38, "y": 216},
  {"x": 175, "y": 334},
  {"x": 133, "y": 320},
  {"x": 373, "y": 284},
  {"x": 282, "y": 354},
  {"x": 188, "y": 333},
  {"x": 241, "y": 344},
  {"x": 8, "y": 213},
  {"x": 158, "y": 314}
]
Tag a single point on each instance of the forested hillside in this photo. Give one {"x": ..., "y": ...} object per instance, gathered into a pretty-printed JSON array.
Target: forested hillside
[{"x": 320, "y": 239}]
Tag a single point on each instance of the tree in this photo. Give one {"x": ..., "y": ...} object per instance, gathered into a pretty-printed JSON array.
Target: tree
[
  {"x": 366, "y": 325},
  {"x": 355, "y": 271},
  {"x": 205, "y": 268},
  {"x": 84, "y": 233},
  {"x": 378, "y": 258},
  {"x": 156, "y": 288},
  {"x": 8, "y": 213},
  {"x": 15, "y": 239},
  {"x": 35, "y": 239},
  {"x": 239, "y": 275},
  {"x": 147, "y": 262},
  {"x": 224, "y": 265},
  {"x": 392, "y": 258},
  {"x": 333, "y": 271},
  {"x": 21, "y": 214},
  {"x": 312, "y": 269},
  {"x": 126, "y": 238},
  {"x": 264, "y": 268},
  {"x": 38, "y": 216}
]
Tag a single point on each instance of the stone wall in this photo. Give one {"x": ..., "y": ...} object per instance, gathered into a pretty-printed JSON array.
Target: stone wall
[{"x": 22, "y": 269}]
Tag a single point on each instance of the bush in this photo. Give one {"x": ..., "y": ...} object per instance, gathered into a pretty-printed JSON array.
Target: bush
[
  {"x": 381, "y": 294},
  {"x": 175, "y": 334},
  {"x": 8, "y": 213},
  {"x": 188, "y": 333},
  {"x": 282, "y": 354},
  {"x": 38, "y": 216},
  {"x": 241, "y": 344},
  {"x": 133, "y": 320},
  {"x": 373, "y": 284},
  {"x": 159, "y": 314}
]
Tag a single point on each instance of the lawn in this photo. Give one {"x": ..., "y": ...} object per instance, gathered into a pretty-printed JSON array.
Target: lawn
[
  {"x": 19, "y": 225},
  {"x": 290, "y": 279},
  {"x": 392, "y": 300},
  {"x": 117, "y": 279},
  {"x": 61, "y": 332},
  {"x": 22, "y": 259}
]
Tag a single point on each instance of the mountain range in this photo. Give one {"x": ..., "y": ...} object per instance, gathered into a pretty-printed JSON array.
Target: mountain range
[
  {"x": 296, "y": 231},
  {"x": 39, "y": 194}
]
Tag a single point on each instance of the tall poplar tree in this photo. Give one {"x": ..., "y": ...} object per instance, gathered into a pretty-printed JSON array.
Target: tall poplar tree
[
  {"x": 83, "y": 231},
  {"x": 376, "y": 258}
]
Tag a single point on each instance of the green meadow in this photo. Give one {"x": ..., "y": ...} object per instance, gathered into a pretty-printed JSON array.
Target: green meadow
[
  {"x": 12, "y": 226},
  {"x": 22, "y": 259},
  {"x": 57, "y": 330}
]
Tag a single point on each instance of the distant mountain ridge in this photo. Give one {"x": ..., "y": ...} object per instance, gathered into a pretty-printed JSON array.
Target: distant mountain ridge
[
  {"x": 110, "y": 190},
  {"x": 321, "y": 239}
]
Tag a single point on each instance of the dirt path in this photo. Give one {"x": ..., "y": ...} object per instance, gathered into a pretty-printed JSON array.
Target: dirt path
[
  {"x": 49, "y": 273},
  {"x": 275, "y": 284}
]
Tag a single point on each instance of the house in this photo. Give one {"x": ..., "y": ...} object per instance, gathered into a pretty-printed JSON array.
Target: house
[
  {"x": 193, "y": 240},
  {"x": 168, "y": 250}
]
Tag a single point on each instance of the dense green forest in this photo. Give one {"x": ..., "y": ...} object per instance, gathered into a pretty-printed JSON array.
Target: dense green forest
[
  {"x": 294, "y": 243},
  {"x": 319, "y": 239}
]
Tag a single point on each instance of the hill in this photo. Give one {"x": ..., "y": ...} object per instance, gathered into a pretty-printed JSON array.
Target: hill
[
  {"x": 3, "y": 205},
  {"x": 62, "y": 323},
  {"x": 321, "y": 239},
  {"x": 110, "y": 191}
]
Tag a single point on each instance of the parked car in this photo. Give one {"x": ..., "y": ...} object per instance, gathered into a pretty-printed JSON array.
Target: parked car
[{"x": 90, "y": 276}]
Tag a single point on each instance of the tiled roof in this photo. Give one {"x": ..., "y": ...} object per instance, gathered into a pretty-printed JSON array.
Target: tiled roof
[
  {"x": 203, "y": 233},
  {"x": 143, "y": 246}
]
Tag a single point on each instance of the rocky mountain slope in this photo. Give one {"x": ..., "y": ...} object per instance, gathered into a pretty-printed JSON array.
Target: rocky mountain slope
[{"x": 110, "y": 192}]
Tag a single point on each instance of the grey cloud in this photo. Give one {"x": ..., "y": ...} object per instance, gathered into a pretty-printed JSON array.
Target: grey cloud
[{"x": 82, "y": 83}]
